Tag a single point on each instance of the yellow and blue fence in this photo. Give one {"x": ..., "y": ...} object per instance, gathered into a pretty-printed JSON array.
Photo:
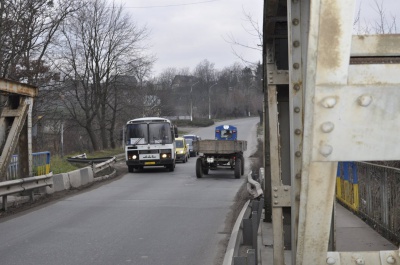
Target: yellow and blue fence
[
  {"x": 40, "y": 164},
  {"x": 347, "y": 184}
]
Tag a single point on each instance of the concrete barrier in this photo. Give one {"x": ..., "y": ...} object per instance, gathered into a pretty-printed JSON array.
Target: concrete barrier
[
  {"x": 86, "y": 175},
  {"x": 61, "y": 182}
]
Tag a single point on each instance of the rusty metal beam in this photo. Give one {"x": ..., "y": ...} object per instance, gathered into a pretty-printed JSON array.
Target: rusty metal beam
[
  {"x": 12, "y": 139},
  {"x": 9, "y": 86}
]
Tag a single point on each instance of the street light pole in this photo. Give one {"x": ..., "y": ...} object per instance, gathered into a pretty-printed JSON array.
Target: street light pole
[
  {"x": 209, "y": 101},
  {"x": 191, "y": 101}
]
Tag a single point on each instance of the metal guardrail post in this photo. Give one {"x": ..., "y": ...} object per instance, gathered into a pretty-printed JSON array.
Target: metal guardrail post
[
  {"x": 254, "y": 222},
  {"x": 251, "y": 257}
]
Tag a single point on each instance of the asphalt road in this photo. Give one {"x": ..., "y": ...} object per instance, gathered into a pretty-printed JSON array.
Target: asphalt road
[{"x": 153, "y": 217}]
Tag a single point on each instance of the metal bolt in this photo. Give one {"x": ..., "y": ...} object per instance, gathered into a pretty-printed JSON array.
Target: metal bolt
[
  {"x": 271, "y": 73},
  {"x": 298, "y": 154},
  {"x": 391, "y": 260},
  {"x": 327, "y": 127},
  {"x": 285, "y": 189},
  {"x": 360, "y": 261},
  {"x": 297, "y": 109},
  {"x": 326, "y": 150},
  {"x": 296, "y": 65},
  {"x": 298, "y": 176},
  {"x": 275, "y": 202},
  {"x": 296, "y": 43},
  {"x": 295, "y": 21},
  {"x": 298, "y": 198},
  {"x": 329, "y": 102},
  {"x": 296, "y": 87},
  {"x": 364, "y": 100},
  {"x": 330, "y": 261},
  {"x": 297, "y": 131},
  {"x": 275, "y": 195},
  {"x": 275, "y": 189}
]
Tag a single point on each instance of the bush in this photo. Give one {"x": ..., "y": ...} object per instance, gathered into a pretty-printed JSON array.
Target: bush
[{"x": 194, "y": 123}]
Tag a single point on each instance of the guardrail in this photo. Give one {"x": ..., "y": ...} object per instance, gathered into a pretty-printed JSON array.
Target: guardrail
[
  {"x": 245, "y": 231},
  {"x": 25, "y": 184},
  {"x": 101, "y": 166}
]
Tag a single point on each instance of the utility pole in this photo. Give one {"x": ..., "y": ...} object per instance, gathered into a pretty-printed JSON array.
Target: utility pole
[
  {"x": 209, "y": 101},
  {"x": 191, "y": 101}
]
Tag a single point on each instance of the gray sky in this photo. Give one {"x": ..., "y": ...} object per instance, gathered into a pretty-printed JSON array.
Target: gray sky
[
  {"x": 185, "y": 32},
  {"x": 370, "y": 16}
]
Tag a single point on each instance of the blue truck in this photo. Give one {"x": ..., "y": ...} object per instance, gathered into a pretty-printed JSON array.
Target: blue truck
[{"x": 223, "y": 151}]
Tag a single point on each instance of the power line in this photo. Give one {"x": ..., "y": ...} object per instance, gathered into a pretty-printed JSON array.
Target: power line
[{"x": 173, "y": 5}]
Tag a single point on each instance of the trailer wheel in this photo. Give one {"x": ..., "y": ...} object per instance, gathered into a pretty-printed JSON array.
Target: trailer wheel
[
  {"x": 205, "y": 170},
  {"x": 130, "y": 169},
  {"x": 238, "y": 168},
  {"x": 242, "y": 164},
  {"x": 199, "y": 168}
]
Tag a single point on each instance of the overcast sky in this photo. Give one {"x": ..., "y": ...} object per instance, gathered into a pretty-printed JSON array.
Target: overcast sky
[{"x": 185, "y": 32}]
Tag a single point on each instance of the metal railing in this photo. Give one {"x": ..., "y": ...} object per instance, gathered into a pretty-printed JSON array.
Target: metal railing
[
  {"x": 25, "y": 184},
  {"x": 373, "y": 192},
  {"x": 245, "y": 231}
]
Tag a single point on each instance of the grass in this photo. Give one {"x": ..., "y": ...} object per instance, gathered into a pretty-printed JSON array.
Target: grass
[{"x": 60, "y": 164}]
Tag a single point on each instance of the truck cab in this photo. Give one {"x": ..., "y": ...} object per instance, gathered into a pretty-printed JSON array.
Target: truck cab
[{"x": 225, "y": 132}]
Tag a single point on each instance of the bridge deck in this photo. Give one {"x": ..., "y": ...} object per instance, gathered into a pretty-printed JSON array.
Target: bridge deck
[{"x": 352, "y": 234}]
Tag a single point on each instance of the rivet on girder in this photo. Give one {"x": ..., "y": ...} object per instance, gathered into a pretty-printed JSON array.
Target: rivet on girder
[
  {"x": 325, "y": 150},
  {"x": 298, "y": 154},
  {"x": 296, "y": 43},
  {"x": 298, "y": 176},
  {"x": 298, "y": 198},
  {"x": 327, "y": 127},
  {"x": 297, "y": 109},
  {"x": 276, "y": 202},
  {"x": 360, "y": 261},
  {"x": 296, "y": 87},
  {"x": 297, "y": 131},
  {"x": 275, "y": 189},
  {"x": 275, "y": 195},
  {"x": 364, "y": 100},
  {"x": 296, "y": 65},
  {"x": 295, "y": 21},
  {"x": 329, "y": 102},
  {"x": 285, "y": 188},
  {"x": 330, "y": 261},
  {"x": 391, "y": 260}
]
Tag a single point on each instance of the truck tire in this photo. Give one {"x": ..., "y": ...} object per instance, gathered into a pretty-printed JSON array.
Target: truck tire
[
  {"x": 205, "y": 170},
  {"x": 199, "y": 168},
  {"x": 130, "y": 169},
  {"x": 171, "y": 167},
  {"x": 238, "y": 168}
]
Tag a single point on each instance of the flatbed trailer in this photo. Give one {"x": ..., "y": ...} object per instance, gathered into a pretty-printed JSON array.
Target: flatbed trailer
[{"x": 220, "y": 153}]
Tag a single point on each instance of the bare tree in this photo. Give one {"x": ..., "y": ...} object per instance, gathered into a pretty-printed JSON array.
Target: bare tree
[
  {"x": 381, "y": 24},
  {"x": 27, "y": 28},
  {"x": 99, "y": 43},
  {"x": 254, "y": 30}
]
